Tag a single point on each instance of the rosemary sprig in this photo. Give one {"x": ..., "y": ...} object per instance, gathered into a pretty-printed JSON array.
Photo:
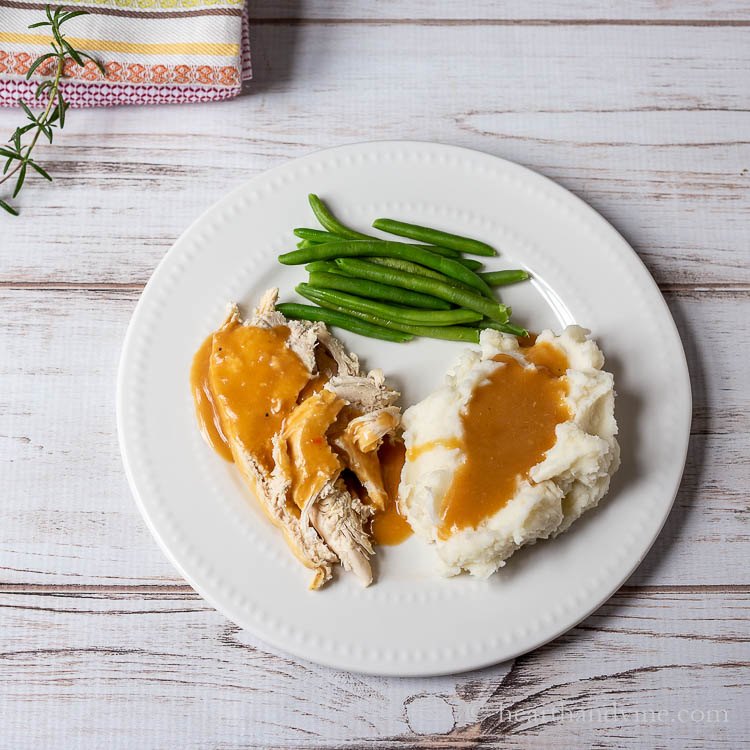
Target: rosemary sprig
[{"x": 17, "y": 153}]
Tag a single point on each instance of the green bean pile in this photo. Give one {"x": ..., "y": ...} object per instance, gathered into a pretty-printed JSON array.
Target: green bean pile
[{"x": 395, "y": 291}]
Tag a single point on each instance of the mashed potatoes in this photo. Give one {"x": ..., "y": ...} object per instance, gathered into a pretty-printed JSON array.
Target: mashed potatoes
[{"x": 467, "y": 495}]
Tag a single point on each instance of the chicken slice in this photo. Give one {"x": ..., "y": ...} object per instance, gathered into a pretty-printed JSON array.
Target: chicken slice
[
  {"x": 358, "y": 442},
  {"x": 256, "y": 378},
  {"x": 368, "y": 431},
  {"x": 361, "y": 427},
  {"x": 347, "y": 364},
  {"x": 304, "y": 454},
  {"x": 309, "y": 460},
  {"x": 341, "y": 520},
  {"x": 366, "y": 393}
]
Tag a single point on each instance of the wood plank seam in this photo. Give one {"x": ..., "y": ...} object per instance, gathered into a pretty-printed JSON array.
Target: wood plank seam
[
  {"x": 126, "y": 286},
  {"x": 73, "y": 589},
  {"x": 698, "y": 23}
]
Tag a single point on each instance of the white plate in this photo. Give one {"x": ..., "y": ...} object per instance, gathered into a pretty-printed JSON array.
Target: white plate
[{"x": 410, "y": 622}]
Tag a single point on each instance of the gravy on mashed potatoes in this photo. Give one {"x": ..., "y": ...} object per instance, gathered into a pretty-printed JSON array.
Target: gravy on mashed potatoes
[{"x": 514, "y": 447}]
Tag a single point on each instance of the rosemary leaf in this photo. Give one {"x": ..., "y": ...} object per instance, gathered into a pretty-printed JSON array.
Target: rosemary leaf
[
  {"x": 41, "y": 88},
  {"x": 41, "y": 171},
  {"x": 100, "y": 67},
  {"x": 62, "y": 107},
  {"x": 72, "y": 52},
  {"x": 20, "y": 180},
  {"x": 8, "y": 208},
  {"x": 28, "y": 112},
  {"x": 37, "y": 63}
]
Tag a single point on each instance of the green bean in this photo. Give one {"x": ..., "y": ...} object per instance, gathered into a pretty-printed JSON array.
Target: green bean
[
  {"x": 316, "y": 235},
  {"x": 504, "y": 327},
  {"x": 434, "y": 237},
  {"x": 337, "y": 230},
  {"x": 295, "y": 311},
  {"x": 329, "y": 266},
  {"x": 376, "y": 291},
  {"x": 501, "y": 278},
  {"x": 316, "y": 291},
  {"x": 325, "y": 266},
  {"x": 359, "y": 248},
  {"x": 470, "y": 263},
  {"x": 452, "y": 333},
  {"x": 407, "y": 265},
  {"x": 444, "y": 251},
  {"x": 330, "y": 222},
  {"x": 319, "y": 237},
  {"x": 302, "y": 244},
  {"x": 448, "y": 292}
]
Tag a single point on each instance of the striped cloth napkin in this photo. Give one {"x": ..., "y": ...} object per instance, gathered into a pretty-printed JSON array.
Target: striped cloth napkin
[{"x": 154, "y": 51}]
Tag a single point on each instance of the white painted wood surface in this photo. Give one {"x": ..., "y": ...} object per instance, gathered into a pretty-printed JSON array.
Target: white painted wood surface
[{"x": 642, "y": 109}]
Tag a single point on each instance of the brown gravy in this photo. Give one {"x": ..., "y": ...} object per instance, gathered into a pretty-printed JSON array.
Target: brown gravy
[
  {"x": 205, "y": 409},
  {"x": 549, "y": 356},
  {"x": 255, "y": 380},
  {"x": 449, "y": 443},
  {"x": 508, "y": 427},
  {"x": 248, "y": 385},
  {"x": 389, "y": 526}
]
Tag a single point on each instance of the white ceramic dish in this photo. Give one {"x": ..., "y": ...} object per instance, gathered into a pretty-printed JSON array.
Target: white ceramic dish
[{"x": 409, "y": 622}]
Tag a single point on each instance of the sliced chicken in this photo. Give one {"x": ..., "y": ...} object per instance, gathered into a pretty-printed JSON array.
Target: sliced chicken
[
  {"x": 366, "y": 466},
  {"x": 347, "y": 364},
  {"x": 309, "y": 462},
  {"x": 256, "y": 378},
  {"x": 285, "y": 393},
  {"x": 365, "y": 393},
  {"x": 304, "y": 454},
  {"x": 341, "y": 519},
  {"x": 369, "y": 430},
  {"x": 361, "y": 427}
]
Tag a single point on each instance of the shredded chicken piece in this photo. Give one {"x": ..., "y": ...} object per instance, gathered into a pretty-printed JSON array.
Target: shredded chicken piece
[
  {"x": 324, "y": 501},
  {"x": 367, "y": 393},
  {"x": 348, "y": 364},
  {"x": 366, "y": 467},
  {"x": 340, "y": 518},
  {"x": 311, "y": 463},
  {"x": 369, "y": 430},
  {"x": 361, "y": 428}
]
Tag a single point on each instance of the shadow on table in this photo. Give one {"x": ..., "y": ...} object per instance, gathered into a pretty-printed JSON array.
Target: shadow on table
[
  {"x": 688, "y": 492},
  {"x": 272, "y": 47},
  {"x": 687, "y": 495}
]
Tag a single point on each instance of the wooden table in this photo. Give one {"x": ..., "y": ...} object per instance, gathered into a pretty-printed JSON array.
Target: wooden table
[{"x": 642, "y": 109}]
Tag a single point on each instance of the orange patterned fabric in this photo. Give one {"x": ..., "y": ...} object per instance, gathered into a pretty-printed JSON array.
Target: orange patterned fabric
[{"x": 18, "y": 63}]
